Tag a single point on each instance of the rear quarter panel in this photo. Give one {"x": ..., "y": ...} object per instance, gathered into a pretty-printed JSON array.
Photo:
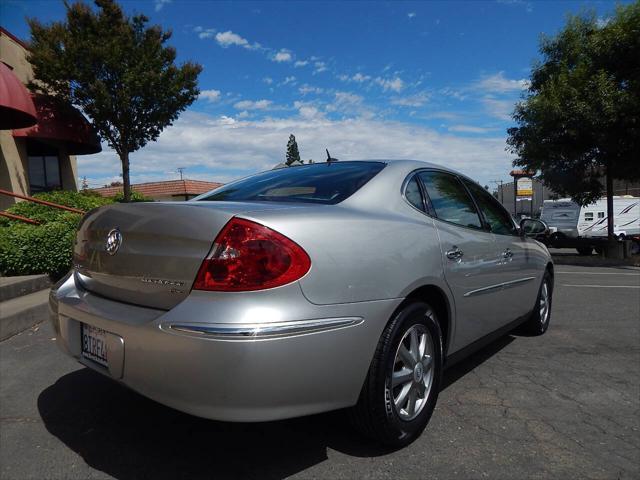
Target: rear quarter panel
[{"x": 358, "y": 255}]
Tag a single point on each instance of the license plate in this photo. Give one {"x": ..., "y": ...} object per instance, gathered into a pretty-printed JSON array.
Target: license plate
[{"x": 94, "y": 344}]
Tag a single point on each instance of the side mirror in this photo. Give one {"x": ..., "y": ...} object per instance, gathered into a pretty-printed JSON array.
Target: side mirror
[{"x": 531, "y": 227}]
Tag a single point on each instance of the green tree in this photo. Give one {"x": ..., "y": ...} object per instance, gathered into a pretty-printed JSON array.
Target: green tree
[
  {"x": 293, "y": 155},
  {"x": 117, "y": 69},
  {"x": 580, "y": 119}
]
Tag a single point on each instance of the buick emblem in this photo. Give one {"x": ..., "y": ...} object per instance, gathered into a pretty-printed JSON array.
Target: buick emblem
[{"x": 114, "y": 240}]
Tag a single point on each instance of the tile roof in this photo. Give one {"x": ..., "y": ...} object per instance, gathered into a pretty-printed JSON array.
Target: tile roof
[{"x": 167, "y": 188}]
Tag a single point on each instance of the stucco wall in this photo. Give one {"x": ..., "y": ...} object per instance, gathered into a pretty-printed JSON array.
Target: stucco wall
[{"x": 14, "y": 172}]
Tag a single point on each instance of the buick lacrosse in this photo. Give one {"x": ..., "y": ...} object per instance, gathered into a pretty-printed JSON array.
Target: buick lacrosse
[{"x": 302, "y": 290}]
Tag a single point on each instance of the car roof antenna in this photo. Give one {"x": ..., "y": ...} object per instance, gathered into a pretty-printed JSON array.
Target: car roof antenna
[{"x": 329, "y": 159}]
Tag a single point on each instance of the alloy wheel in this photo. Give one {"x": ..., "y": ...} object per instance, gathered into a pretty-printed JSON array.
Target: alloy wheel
[
  {"x": 544, "y": 303},
  {"x": 412, "y": 375}
]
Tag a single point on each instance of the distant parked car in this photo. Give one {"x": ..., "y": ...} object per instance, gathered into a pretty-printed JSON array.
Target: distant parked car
[{"x": 302, "y": 290}]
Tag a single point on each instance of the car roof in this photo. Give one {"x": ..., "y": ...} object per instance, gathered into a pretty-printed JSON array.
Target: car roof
[{"x": 409, "y": 164}]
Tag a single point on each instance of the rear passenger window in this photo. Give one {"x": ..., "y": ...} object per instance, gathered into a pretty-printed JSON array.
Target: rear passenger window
[
  {"x": 413, "y": 195},
  {"x": 450, "y": 199}
]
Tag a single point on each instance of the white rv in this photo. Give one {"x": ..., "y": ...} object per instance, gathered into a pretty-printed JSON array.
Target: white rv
[
  {"x": 571, "y": 225},
  {"x": 626, "y": 218}
]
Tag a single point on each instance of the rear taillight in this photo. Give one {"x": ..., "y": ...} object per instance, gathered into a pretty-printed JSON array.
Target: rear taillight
[{"x": 249, "y": 256}]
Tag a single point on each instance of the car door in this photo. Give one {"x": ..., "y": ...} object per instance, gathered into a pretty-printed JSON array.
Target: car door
[
  {"x": 471, "y": 266},
  {"x": 518, "y": 266}
]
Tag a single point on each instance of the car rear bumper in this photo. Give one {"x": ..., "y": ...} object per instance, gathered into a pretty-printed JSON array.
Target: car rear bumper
[{"x": 238, "y": 357}]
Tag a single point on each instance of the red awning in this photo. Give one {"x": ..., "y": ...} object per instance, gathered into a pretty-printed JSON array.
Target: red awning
[
  {"x": 16, "y": 108},
  {"x": 62, "y": 123}
]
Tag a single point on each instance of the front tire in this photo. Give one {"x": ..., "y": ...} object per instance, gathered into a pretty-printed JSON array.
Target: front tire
[{"x": 403, "y": 382}]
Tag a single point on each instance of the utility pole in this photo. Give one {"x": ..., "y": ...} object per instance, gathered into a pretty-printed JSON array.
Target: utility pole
[
  {"x": 180, "y": 170},
  {"x": 499, "y": 182}
]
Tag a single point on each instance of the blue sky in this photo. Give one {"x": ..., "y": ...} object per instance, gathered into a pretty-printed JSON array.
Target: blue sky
[{"x": 429, "y": 80}]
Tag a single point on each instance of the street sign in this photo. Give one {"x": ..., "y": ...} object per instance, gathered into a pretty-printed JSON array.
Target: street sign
[{"x": 524, "y": 187}]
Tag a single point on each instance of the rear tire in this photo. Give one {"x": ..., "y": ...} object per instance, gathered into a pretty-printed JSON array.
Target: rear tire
[
  {"x": 538, "y": 322},
  {"x": 403, "y": 382},
  {"x": 584, "y": 250}
]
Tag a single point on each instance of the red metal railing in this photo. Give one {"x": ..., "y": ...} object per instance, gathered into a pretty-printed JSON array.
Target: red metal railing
[
  {"x": 34, "y": 200},
  {"x": 19, "y": 217}
]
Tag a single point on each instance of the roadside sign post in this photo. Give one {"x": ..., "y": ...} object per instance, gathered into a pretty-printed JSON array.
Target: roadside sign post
[{"x": 522, "y": 189}]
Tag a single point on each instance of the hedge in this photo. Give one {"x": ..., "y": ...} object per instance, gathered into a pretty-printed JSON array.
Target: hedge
[{"x": 27, "y": 249}]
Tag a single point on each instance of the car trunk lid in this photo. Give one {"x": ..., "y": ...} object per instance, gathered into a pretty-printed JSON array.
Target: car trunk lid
[{"x": 161, "y": 248}]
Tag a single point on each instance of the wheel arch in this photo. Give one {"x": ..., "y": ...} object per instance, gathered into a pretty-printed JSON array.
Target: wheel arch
[{"x": 437, "y": 298}]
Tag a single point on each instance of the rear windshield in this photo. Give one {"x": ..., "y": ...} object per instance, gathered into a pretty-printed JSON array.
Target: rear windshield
[{"x": 328, "y": 183}]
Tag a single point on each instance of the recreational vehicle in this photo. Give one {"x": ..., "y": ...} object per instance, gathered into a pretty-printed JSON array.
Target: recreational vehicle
[{"x": 571, "y": 225}]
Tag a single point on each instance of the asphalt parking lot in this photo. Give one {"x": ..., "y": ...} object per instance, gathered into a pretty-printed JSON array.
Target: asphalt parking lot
[{"x": 564, "y": 405}]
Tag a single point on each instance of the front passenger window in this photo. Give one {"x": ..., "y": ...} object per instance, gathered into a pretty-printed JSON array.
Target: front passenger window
[
  {"x": 496, "y": 216},
  {"x": 450, "y": 199}
]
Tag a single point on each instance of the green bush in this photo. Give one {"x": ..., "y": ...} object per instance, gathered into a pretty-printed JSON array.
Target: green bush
[{"x": 27, "y": 249}]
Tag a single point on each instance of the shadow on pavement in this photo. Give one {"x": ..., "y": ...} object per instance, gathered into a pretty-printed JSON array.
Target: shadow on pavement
[{"x": 127, "y": 436}]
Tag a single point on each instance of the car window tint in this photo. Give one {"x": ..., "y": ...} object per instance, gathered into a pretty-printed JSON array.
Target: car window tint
[
  {"x": 413, "y": 195},
  {"x": 327, "y": 183},
  {"x": 496, "y": 216},
  {"x": 450, "y": 200}
]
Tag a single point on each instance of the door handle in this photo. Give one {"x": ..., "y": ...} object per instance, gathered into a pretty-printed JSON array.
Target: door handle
[
  {"x": 507, "y": 254},
  {"x": 454, "y": 254}
]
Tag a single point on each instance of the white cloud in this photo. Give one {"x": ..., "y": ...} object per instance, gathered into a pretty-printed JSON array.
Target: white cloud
[
  {"x": 267, "y": 80},
  {"x": 319, "y": 67},
  {"x": 498, "y": 108},
  {"x": 498, "y": 83},
  {"x": 210, "y": 95},
  {"x": 358, "y": 78},
  {"x": 344, "y": 99},
  {"x": 228, "y": 38},
  {"x": 282, "y": 56},
  {"x": 306, "y": 88},
  {"x": 395, "y": 84},
  {"x": 417, "y": 100},
  {"x": 308, "y": 110},
  {"x": 301, "y": 63},
  {"x": 206, "y": 32},
  {"x": 161, "y": 3},
  {"x": 227, "y": 148},
  {"x": 288, "y": 80},
  {"x": 411, "y": 14},
  {"x": 253, "y": 105},
  {"x": 350, "y": 105}
]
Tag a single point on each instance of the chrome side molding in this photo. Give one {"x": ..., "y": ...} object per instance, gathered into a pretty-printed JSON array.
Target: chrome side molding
[
  {"x": 499, "y": 286},
  {"x": 259, "y": 331}
]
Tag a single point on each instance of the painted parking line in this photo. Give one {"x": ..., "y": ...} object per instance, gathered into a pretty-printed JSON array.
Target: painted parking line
[
  {"x": 602, "y": 286},
  {"x": 601, "y": 273}
]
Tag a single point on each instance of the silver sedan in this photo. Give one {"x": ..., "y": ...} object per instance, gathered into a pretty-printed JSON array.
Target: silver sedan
[{"x": 302, "y": 290}]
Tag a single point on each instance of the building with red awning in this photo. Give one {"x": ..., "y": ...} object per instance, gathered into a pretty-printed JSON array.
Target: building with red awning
[{"x": 39, "y": 136}]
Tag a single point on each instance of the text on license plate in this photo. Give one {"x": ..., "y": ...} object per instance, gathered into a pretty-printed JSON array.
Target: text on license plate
[{"x": 94, "y": 344}]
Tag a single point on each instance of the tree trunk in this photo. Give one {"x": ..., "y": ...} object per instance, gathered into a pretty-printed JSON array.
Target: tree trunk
[
  {"x": 609, "y": 203},
  {"x": 613, "y": 248},
  {"x": 126, "y": 187}
]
